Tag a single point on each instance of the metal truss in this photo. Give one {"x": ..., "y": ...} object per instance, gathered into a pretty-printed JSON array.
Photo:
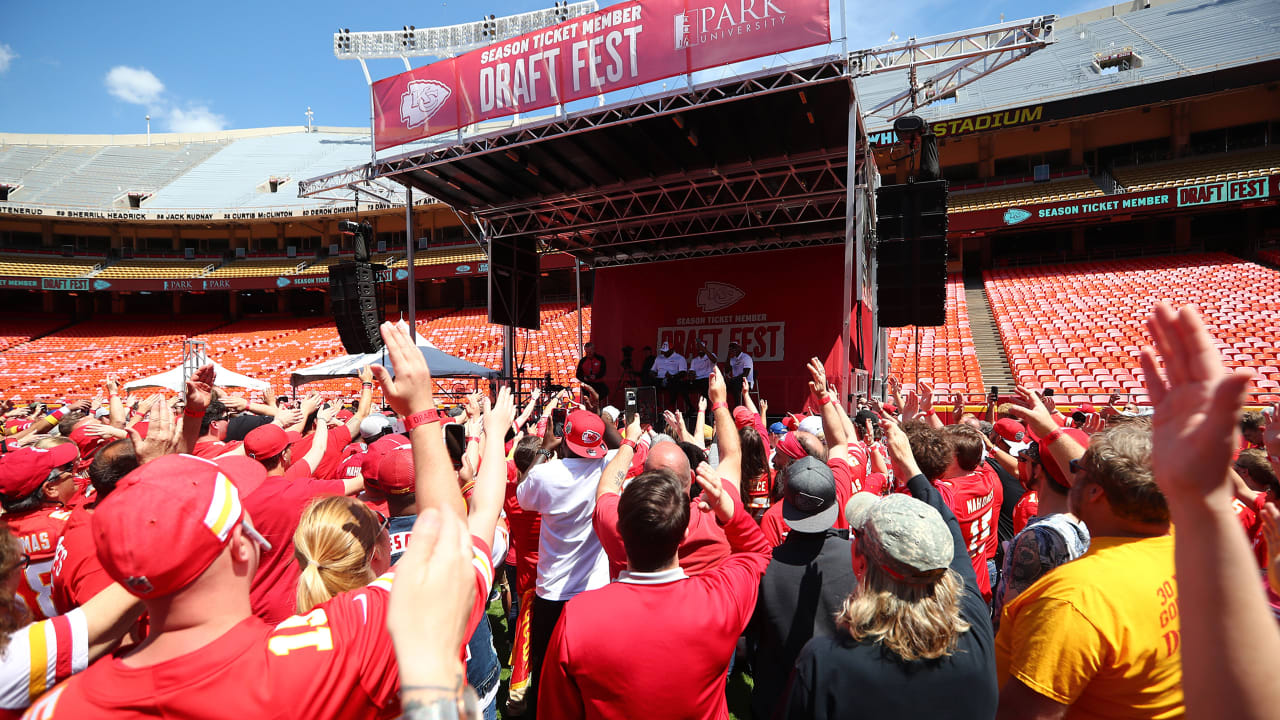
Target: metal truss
[
  {"x": 657, "y": 253},
  {"x": 973, "y": 54},
  {"x": 449, "y": 40},
  {"x": 356, "y": 184},
  {"x": 671, "y": 201},
  {"x": 667, "y": 104},
  {"x": 773, "y": 220}
]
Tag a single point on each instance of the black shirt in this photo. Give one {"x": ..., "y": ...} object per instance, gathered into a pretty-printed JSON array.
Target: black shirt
[
  {"x": 1013, "y": 491},
  {"x": 837, "y": 677},
  {"x": 803, "y": 588}
]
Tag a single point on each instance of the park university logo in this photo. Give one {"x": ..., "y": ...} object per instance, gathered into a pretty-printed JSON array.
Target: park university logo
[
  {"x": 716, "y": 296},
  {"x": 421, "y": 101},
  {"x": 726, "y": 20}
]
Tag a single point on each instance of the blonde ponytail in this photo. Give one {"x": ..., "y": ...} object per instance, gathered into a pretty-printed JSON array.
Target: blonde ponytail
[{"x": 333, "y": 545}]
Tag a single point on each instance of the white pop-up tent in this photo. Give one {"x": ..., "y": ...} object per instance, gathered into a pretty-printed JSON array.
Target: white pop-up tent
[
  {"x": 175, "y": 378},
  {"x": 441, "y": 364}
]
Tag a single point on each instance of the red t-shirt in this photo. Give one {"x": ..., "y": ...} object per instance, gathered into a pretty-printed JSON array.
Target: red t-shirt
[
  {"x": 975, "y": 500},
  {"x": 598, "y": 667},
  {"x": 1027, "y": 507},
  {"x": 77, "y": 573},
  {"x": 843, "y": 474},
  {"x": 39, "y": 531},
  {"x": 275, "y": 508},
  {"x": 327, "y": 468},
  {"x": 775, "y": 529},
  {"x": 337, "y": 662},
  {"x": 525, "y": 526},
  {"x": 210, "y": 449},
  {"x": 702, "y": 549}
]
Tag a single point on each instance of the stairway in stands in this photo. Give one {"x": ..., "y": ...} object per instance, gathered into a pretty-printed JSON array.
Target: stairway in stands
[{"x": 986, "y": 337}]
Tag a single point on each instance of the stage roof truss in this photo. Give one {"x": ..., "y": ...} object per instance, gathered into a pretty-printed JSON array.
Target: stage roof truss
[{"x": 972, "y": 54}]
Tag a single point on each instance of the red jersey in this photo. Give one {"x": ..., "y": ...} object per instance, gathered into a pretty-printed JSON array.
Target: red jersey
[
  {"x": 526, "y": 526},
  {"x": 327, "y": 468},
  {"x": 775, "y": 529},
  {"x": 39, "y": 531},
  {"x": 77, "y": 574},
  {"x": 336, "y": 662},
  {"x": 210, "y": 449},
  {"x": 975, "y": 500},
  {"x": 275, "y": 507},
  {"x": 1028, "y": 506}
]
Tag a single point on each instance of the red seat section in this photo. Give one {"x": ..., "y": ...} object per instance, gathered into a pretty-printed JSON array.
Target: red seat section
[
  {"x": 947, "y": 357},
  {"x": 1078, "y": 328}
]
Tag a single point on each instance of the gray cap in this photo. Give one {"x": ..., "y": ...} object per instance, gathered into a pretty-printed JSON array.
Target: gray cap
[
  {"x": 908, "y": 539},
  {"x": 855, "y": 511},
  {"x": 374, "y": 424},
  {"x": 809, "y": 496}
]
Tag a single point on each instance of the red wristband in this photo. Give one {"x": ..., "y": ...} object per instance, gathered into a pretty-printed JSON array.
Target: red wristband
[
  {"x": 188, "y": 412},
  {"x": 1047, "y": 440},
  {"x": 629, "y": 443},
  {"x": 473, "y": 438},
  {"x": 826, "y": 400},
  {"x": 717, "y": 406},
  {"x": 422, "y": 418}
]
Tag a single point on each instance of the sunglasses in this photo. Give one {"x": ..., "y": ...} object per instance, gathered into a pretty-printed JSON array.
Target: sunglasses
[
  {"x": 24, "y": 561},
  {"x": 384, "y": 522}
]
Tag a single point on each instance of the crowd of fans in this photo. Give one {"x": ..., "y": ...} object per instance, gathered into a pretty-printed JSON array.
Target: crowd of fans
[{"x": 208, "y": 556}]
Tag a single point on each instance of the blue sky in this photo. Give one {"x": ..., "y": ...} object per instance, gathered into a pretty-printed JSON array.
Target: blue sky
[{"x": 95, "y": 67}]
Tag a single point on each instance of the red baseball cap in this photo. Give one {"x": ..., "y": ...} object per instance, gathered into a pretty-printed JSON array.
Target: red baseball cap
[
  {"x": 395, "y": 472},
  {"x": 1014, "y": 433},
  {"x": 265, "y": 442},
  {"x": 168, "y": 520},
  {"x": 24, "y": 470},
  {"x": 345, "y": 415},
  {"x": 584, "y": 434},
  {"x": 377, "y": 450},
  {"x": 743, "y": 417}
]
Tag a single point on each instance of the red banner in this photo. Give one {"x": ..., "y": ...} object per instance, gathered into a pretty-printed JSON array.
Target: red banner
[{"x": 621, "y": 46}]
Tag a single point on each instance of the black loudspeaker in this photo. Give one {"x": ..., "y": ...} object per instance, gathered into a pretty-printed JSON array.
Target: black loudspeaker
[
  {"x": 514, "y": 293},
  {"x": 353, "y": 296},
  {"x": 911, "y": 254}
]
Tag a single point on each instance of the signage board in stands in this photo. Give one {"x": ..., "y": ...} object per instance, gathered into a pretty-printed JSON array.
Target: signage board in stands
[
  {"x": 618, "y": 47},
  {"x": 65, "y": 284},
  {"x": 1123, "y": 204}
]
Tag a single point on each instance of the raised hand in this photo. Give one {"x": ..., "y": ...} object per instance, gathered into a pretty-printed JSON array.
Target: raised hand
[
  {"x": 590, "y": 399},
  {"x": 910, "y": 405},
  {"x": 702, "y": 404},
  {"x": 288, "y": 417},
  {"x": 104, "y": 430},
  {"x": 1196, "y": 427},
  {"x": 817, "y": 381},
  {"x": 499, "y": 416},
  {"x": 365, "y": 374},
  {"x": 235, "y": 403},
  {"x": 1095, "y": 423},
  {"x": 431, "y": 600},
  {"x": 162, "y": 437},
  {"x": 926, "y": 397},
  {"x": 634, "y": 429},
  {"x": 410, "y": 391},
  {"x": 673, "y": 425},
  {"x": 716, "y": 390},
  {"x": 899, "y": 448},
  {"x": 1032, "y": 412},
  {"x": 473, "y": 404},
  {"x": 714, "y": 498}
]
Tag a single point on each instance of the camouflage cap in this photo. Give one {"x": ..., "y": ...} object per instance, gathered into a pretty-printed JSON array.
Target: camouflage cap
[
  {"x": 908, "y": 539},
  {"x": 855, "y": 511}
]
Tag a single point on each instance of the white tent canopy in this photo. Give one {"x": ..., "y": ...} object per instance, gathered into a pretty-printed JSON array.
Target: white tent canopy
[{"x": 174, "y": 379}]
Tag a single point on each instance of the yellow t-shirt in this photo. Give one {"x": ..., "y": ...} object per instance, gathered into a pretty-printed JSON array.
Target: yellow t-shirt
[{"x": 1101, "y": 633}]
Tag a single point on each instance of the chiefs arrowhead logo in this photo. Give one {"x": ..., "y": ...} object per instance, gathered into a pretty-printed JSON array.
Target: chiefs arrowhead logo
[
  {"x": 716, "y": 296},
  {"x": 422, "y": 101},
  {"x": 590, "y": 437},
  {"x": 1013, "y": 216}
]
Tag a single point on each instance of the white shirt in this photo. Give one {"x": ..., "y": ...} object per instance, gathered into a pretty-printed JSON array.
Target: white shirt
[
  {"x": 701, "y": 366},
  {"x": 667, "y": 366},
  {"x": 737, "y": 364},
  {"x": 570, "y": 558}
]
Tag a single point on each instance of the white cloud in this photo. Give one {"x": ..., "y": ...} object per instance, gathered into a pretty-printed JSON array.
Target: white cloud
[
  {"x": 196, "y": 118},
  {"x": 6, "y": 57},
  {"x": 134, "y": 85}
]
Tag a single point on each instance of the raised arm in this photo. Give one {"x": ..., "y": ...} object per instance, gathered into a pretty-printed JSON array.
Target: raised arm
[
  {"x": 365, "y": 405},
  {"x": 491, "y": 477},
  {"x": 199, "y": 395},
  {"x": 730, "y": 467},
  {"x": 615, "y": 473},
  {"x": 410, "y": 394},
  {"x": 1230, "y": 641},
  {"x": 832, "y": 425}
]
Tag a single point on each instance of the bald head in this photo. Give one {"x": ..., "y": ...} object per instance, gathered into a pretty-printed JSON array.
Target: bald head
[{"x": 668, "y": 456}]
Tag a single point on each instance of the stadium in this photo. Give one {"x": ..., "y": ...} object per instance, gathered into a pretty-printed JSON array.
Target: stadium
[
  {"x": 911, "y": 306},
  {"x": 1123, "y": 157}
]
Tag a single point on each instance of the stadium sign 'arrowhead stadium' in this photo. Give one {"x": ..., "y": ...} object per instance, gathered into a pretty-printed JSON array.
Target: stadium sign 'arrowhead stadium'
[{"x": 622, "y": 46}]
